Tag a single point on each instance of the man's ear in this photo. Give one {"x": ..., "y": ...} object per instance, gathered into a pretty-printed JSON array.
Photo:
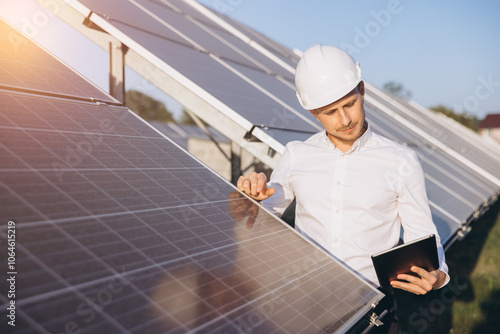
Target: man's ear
[{"x": 361, "y": 89}]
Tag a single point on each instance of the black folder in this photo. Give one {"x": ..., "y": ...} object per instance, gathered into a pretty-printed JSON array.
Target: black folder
[{"x": 398, "y": 260}]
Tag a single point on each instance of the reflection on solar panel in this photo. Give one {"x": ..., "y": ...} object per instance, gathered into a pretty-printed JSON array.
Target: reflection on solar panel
[
  {"x": 119, "y": 230},
  {"x": 22, "y": 71},
  {"x": 240, "y": 82}
]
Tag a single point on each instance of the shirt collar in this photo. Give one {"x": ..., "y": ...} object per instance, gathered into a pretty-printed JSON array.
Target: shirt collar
[{"x": 358, "y": 144}]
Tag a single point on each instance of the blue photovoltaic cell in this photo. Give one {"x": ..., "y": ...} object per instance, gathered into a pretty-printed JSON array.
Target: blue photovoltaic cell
[{"x": 122, "y": 205}]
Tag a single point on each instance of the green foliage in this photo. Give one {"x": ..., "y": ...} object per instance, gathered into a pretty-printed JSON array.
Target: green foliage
[
  {"x": 464, "y": 118},
  {"x": 147, "y": 107},
  {"x": 397, "y": 89}
]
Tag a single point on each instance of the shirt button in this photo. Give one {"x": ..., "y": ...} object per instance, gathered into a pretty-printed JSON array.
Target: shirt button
[
  {"x": 338, "y": 183},
  {"x": 337, "y": 211}
]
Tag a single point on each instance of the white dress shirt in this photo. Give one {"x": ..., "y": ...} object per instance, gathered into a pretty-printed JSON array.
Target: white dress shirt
[{"x": 354, "y": 204}]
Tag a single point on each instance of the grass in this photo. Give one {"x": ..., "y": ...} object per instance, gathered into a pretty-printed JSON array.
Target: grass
[{"x": 470, "y": 303}]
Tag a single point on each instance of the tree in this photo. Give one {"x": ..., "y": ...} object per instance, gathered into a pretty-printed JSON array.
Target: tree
[
  {"x": 464, "y": 118},
  {"x": 147, "y": 107},
  {"x": 397, "y": 89}
]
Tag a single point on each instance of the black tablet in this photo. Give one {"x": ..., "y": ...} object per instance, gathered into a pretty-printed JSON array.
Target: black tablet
[{"x": 398, "y": 260}]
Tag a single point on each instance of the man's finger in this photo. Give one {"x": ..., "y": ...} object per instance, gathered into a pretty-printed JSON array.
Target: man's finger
[
  {"x": 253, "y": 184},
  {"x": 269, "y": 192},
  {"x": 247, "y": 185},
  {"x": 409, "y": 278},
  {"x": 410, "y": 287},
  {"x": 423, "y": 273},
  {"x": 239, "y": 184},
  {"x": 261, "y": 183},
  {"x": 428, "y": 280},
  {"x": 419, "y": 285}
]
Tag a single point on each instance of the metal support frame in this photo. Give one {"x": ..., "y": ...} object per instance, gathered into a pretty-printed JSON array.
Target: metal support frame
[
  {"x": 117, "y": 53},
  {"x": 234, "y": 158},
  {"x": 206, "y": 107},
  {"x": 235, "y": 162},
  {"x": 374, "y": 321},
  {"x": 203, "y": 128}
]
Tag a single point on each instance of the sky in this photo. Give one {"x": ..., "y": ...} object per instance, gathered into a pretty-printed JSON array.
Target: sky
[{"x": 444, "y": 52}]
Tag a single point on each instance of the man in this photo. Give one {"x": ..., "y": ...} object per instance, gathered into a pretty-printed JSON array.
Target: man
[{"x": 354, "y": 189}]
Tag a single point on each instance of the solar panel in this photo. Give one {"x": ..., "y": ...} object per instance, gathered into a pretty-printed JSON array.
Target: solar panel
[
  {"x": 240, "y": 82},
  {"x": 454, "y": 138},
  {"x": 119, "y": 230},
  {"x": 431, "y": 156},
  {"x": 221, "y": 64},
  {"x": 46, "y": 74}
]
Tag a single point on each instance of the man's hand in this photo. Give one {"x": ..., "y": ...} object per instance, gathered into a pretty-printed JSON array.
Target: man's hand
[
  {"x": 255, "y": 186},
  {"x": 426, "y": 281}
]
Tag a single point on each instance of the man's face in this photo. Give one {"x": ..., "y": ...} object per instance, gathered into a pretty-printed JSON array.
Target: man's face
[{"x": 344, "y": 119}]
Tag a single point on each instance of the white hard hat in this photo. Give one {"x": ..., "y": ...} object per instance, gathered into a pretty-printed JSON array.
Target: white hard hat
[{"x": 325, "y": 74}]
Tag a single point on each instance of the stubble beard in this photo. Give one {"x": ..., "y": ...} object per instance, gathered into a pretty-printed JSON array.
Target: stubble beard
[{"x": 347, "y": 140}]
